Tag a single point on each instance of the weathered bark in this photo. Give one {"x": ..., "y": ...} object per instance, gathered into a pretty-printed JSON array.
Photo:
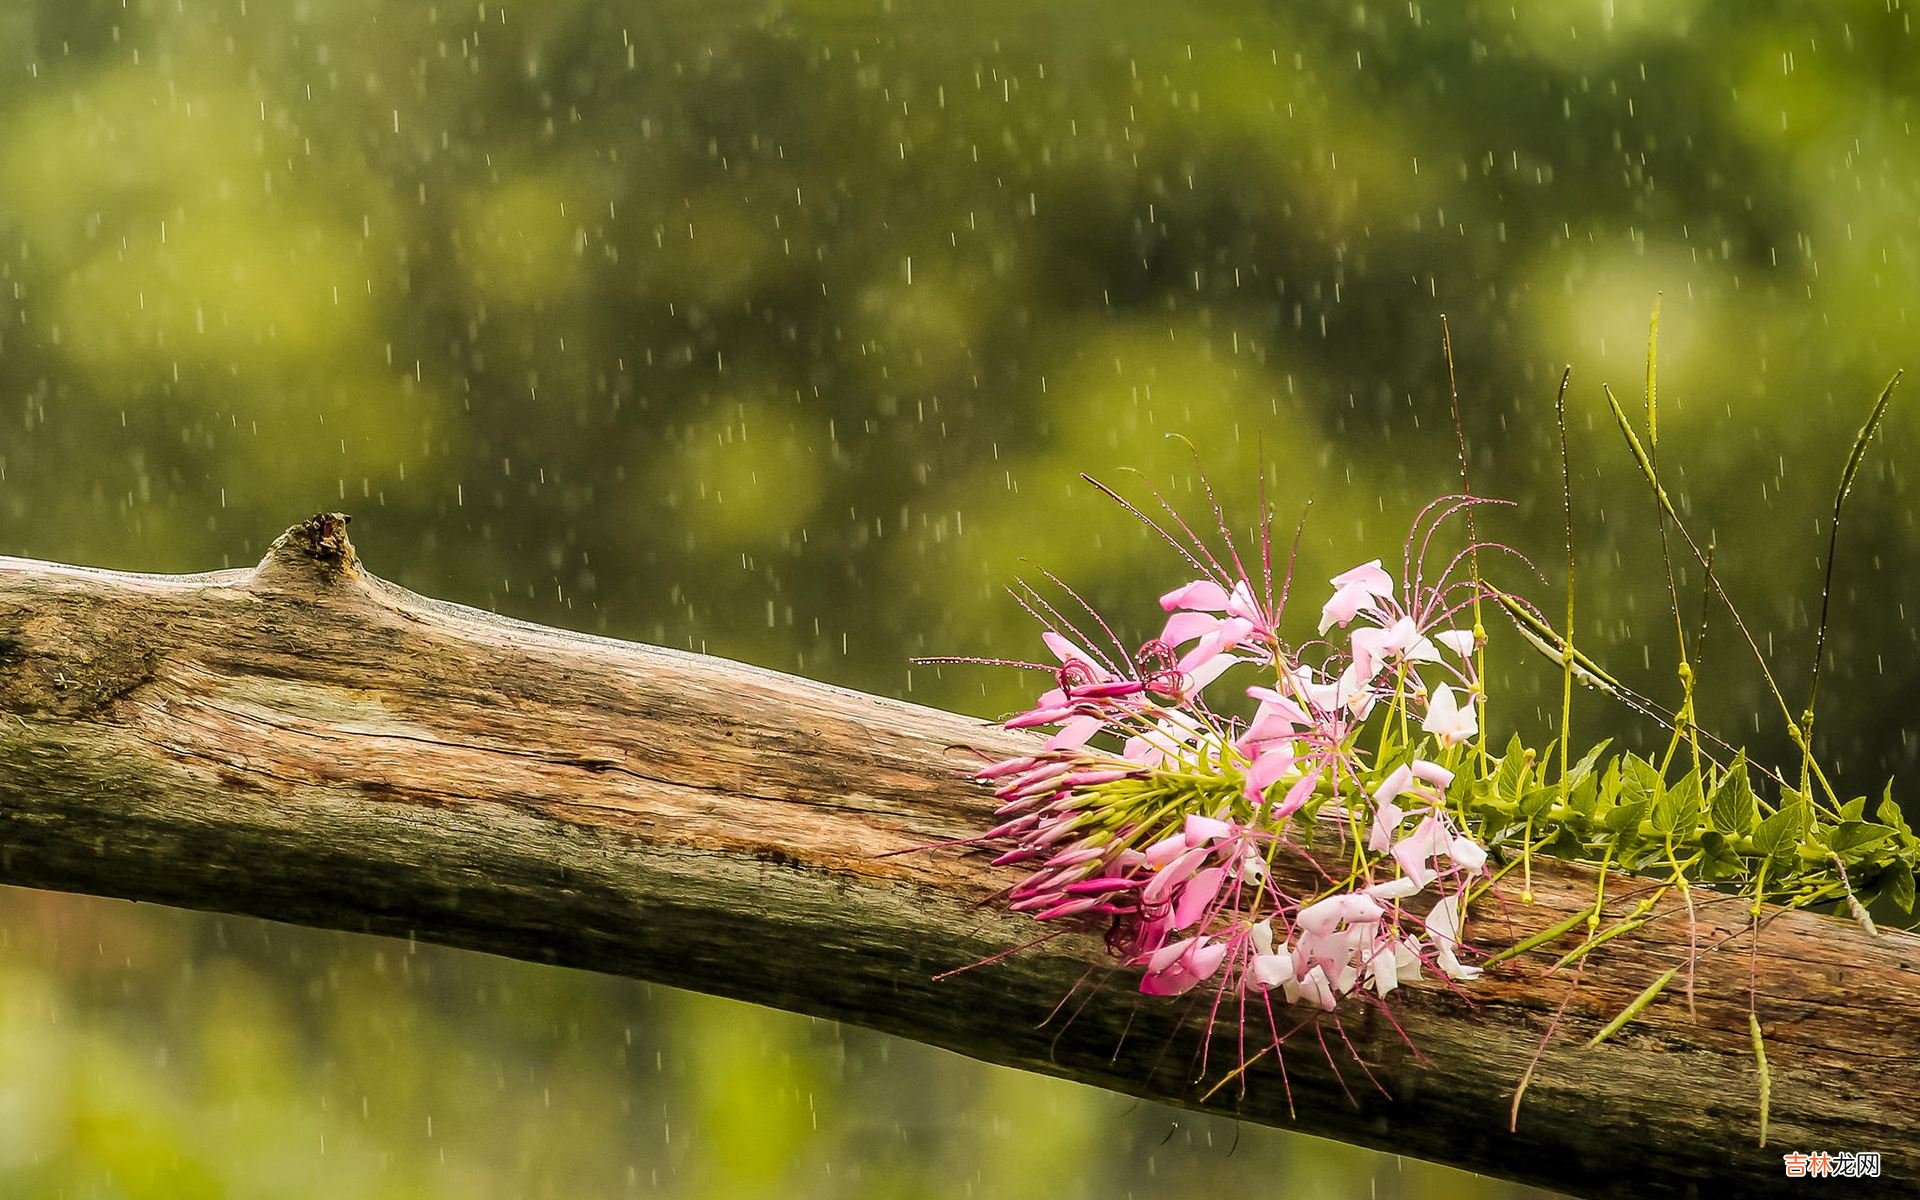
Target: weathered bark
[{"x": 304, "y": 742}]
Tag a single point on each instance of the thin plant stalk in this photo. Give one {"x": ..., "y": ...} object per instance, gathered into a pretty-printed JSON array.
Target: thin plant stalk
[
  {"x": 1847, "y": 476},
  {"x": 1683, "y": 725},
  {"x": 1473, "y": 543}
]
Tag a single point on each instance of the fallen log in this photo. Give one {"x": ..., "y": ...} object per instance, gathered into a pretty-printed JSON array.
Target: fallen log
[{"x": 305, "y": 742}]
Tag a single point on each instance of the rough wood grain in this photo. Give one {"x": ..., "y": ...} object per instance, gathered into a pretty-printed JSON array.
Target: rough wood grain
[{"x": 305, "y": 742}]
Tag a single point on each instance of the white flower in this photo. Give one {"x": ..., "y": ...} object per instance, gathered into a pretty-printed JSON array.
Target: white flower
[
  {"x": 1447, "y": 720},
  {"x": 1468, "y": 853},
  {"x": 1268, "y": 969},
  {"x": 1397, "y": 781},
  {"x": 1443, "y": 926},
  {"x": 1394, "y": 889},
  {"x": 1320, "y": 917},
  {"x": 1313, "y": 988},
  {"x": 1460, "y": 641},
  {"x": 1395, "y": 961}
]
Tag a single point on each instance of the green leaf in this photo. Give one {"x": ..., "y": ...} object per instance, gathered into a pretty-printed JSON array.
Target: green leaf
[
  {"x": 1639, "y": 788},
  {"x": 1897, "y": 886},
  {"x": 1565, "y": 843},
  {"x": 1779, "y": 835},
  {"x": 1854, "y": 809},
  {"x": 1510, "y": 778},
  {"x": 1678, "y": 808},
  {"x": 1537, "y": 801},
  {"x": 1580, "y": 770},
  {"x": 1889, "y": 813},
  {"x": 1718, "y": 861},
  {"x": 1585, "y": 796},
  {"x": 1638, "y": 776},
  {"x": 1732, "y": 807},
  {"x": 1852, "y": 839}
]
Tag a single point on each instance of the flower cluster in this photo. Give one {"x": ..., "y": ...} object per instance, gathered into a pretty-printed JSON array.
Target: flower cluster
[
  {"x": 1148, "y": 807},
  {"x": 1199, "y": 832}
]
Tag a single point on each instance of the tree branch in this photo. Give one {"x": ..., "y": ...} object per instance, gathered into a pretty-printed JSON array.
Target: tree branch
[{"x": 305, "y": 742}]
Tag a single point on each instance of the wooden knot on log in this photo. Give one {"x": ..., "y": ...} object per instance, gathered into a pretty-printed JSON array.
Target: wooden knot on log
[{"x": 311, "y": 556}]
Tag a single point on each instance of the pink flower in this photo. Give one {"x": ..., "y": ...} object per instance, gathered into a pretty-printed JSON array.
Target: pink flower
[
  {"x": 1199, "y": 830},
  {"x": 1196, "y": 895},
  {"x": 1067, "y": 652},
  {"x": 1271, "y": 764},
  {"x": 1203, "y": 595},
  {"x": 1183, "y": 627},
  {"x": 1318, "y": 695},
  {"x": 1159, "y": 889},
  {"x": 1328, "y": 938},
  {"x": 1183, "y": 881},
  {"x": 1267, "y": 969},
  {"x": 1087, "y": 699},
  {"x": 1386, "y": 814},
  {"x": 1076, "y": 732},
  {"x": 1298, "y": 795},
  {"x": 1367, "y": 575},
  {"x": 1219, "y": 619},
  {"x": 1166, "y": 850},
  {"x": 1271, "y": 970},
  {"x": 1203, "y": 672},
  {"x": 1354, "y": 590},
  {"x": 1278, "y": 717},
  {"x": 1415, "y": 852},
  {"x": 1224, "y": 636},
  {"x": 1179, "y": 966},
  {"x": 1354, "y": 692}
]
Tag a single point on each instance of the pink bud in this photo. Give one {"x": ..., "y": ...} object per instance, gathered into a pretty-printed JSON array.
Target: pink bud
[
  {"x": 1075, "y": 856},
  {"x": 1008, "y": 766},
  {"x": 1039, "y": 716},
  {"x": 1112, "y": 689},
  {"x": 1105, "y": 883},
  {"x": 1069, "y": 908},
  {"x": 1081, "y": 779}
]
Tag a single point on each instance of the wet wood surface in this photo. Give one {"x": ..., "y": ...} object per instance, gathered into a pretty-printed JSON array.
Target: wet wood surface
[{"x": 304, "y": 742}]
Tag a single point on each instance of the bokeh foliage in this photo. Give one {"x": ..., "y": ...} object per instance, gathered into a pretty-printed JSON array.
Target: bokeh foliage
[{"x": 783, "y": 331}]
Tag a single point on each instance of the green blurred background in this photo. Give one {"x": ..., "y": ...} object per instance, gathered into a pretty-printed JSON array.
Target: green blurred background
[{"x": 782, "y": 331}]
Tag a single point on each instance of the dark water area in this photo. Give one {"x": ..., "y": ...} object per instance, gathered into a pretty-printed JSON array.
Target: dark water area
[{"x": 784, "y": 332}]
